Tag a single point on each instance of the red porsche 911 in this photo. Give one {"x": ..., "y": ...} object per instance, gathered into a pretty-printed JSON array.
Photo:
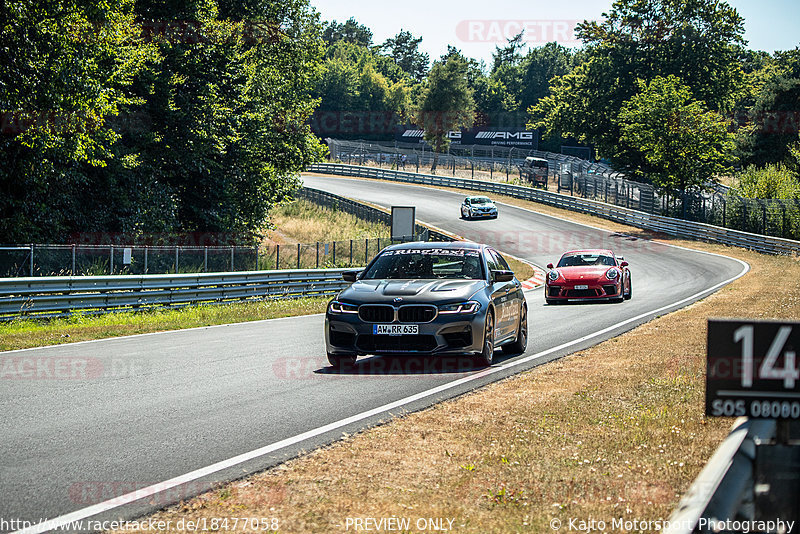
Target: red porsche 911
[{"x": 588, "y": 275}]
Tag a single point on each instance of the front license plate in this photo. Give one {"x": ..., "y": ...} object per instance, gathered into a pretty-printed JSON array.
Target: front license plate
[
  {"x": 583, "y": 286},
  {"x": 395, "y": 329}
]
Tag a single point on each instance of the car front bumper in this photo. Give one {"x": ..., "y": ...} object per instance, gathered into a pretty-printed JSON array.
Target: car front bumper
[
  {"x": 453, "y": 335},
  {"x": 594, "y": 291}
]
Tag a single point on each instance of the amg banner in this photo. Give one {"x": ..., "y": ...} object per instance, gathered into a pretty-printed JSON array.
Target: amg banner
[{"x": 506, "y": 137}]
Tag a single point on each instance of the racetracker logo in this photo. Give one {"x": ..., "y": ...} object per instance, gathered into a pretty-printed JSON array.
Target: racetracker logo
[
  {"x": 534, "y": 31},
  {"x": 70, "y": 368}
]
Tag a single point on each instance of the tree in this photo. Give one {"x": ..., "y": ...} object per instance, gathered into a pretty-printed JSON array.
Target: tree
[
  {"x": 774, "y": 118},
  {"x": 153, "y": 116},
  {"x": 510, "y": 55},
  {"x": 349, "y": 32},
  {"x": 683, "y": 143},
  {"x": 403, "y": 48},
  {"x": 66, "y": 71},
  {"x": 447, "y": 104},
  {"x": 539, "y": 67},
  {"x": 699, "y": 41}
]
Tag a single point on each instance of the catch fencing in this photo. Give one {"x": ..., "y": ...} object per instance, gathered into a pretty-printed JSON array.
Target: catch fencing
[
  {"x": 714, "y": 204},
  {"x": 95, "y": 260},
  {"x": 633, "y": 217}
]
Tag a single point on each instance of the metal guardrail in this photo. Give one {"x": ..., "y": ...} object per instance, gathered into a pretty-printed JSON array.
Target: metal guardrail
[
  {"x": 53, "y": 296},
  {"x": 657, "y": 223},
  {"x": 724, "y": 488},
  {"x": 50, "y": 296},
  {"x": 363, "y": 211}
]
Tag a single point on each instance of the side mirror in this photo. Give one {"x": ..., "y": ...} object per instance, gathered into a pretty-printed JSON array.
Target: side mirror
[
  {"x": 350, "y": 276},
  {"x": 549, "y": 265},
  {"x": 502, "y": 276},
  {"x": 623, "y": 264}
]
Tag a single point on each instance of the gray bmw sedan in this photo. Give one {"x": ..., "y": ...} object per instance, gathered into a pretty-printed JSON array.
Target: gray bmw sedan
[{"x": 428, "y": 298}]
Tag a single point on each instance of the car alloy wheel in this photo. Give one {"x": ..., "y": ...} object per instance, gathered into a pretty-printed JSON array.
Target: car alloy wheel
[
  {"x": 521, "y": 343},
  {"x": 486, "y": 356}
]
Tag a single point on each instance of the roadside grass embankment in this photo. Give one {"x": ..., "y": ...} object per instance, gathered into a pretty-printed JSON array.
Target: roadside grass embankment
[
  {"x": 304, "y": 222},
  {"x": 614, "y": 433}
]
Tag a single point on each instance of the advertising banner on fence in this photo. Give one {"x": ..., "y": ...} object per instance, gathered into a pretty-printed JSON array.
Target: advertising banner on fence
[{"x": 505, "y": 137}]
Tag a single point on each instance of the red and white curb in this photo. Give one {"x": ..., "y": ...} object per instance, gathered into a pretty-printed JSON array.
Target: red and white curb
[{"x": 537, "y": 280}]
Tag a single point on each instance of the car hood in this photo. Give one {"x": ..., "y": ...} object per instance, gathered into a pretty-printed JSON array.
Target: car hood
[
  {"x": 411, "y": 290},
  {"x": 591, "y": 272}
]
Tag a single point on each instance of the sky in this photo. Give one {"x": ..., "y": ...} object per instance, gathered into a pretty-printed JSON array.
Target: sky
[{"x": 477, "y": 26}]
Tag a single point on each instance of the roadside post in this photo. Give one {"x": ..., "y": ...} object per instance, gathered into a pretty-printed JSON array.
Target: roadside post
[
  {"x": 403, "y": 223},
  {"x": 752, "y": 371}
]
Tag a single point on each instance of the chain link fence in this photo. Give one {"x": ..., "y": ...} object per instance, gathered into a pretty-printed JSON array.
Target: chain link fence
[
  {"x": 714, "y": 204},
  {"x": 93, "y": 260}
]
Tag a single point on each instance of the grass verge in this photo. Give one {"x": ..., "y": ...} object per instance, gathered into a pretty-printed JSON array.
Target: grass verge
[
  {"x": 302, "y": 221},
  {"x": 614, "y": 433},
  {"x": 28, "y": 333}
]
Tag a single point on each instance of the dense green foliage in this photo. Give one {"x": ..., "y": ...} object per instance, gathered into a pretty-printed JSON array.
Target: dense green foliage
[
  {"x": 682, "y": 143},
  {"x": 774, "y": 180},
  {"x": 140, "y": 117},
  {"x": 700, "y": 42},
  {"x": 773, "y": 116},
  {"x": 447, "y": 103},
  {"x": 153, "y": 117}
]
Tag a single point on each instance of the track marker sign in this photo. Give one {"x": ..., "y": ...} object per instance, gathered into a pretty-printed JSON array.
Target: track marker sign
[
  {"x": 403, "y": 222},
  {"x": 753, "y": 369}
]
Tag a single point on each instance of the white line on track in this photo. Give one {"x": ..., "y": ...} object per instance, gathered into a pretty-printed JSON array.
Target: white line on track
[{"x": 84, "y": 513}]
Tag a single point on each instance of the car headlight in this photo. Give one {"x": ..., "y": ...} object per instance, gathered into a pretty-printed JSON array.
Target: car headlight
[
  {"x": 553, "y": 275},
  {"x": 342, "y": 307},
  {"x": 470, "y": 306},
  {"x": 612, "y": 274}
]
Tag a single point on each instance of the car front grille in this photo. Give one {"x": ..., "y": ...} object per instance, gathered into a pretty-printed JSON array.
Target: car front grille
[
  {"x": 376, "y": 343},
  {"x": 610, "y": 289},
  {"x": 575, "y": 293},
  {"x": 416, "y": 314},
  {"x": 376, "y": 313},
  {"x": 554, "y": 291}
]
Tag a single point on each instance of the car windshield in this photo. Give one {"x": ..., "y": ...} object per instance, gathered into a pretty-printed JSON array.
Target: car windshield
[
  {"x": 426, "y": 263},
  {"x": 585, "y": 259},
  {"x": 481, "y": 200}
]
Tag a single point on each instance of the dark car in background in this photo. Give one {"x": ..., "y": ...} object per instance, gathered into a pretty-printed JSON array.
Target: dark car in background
[
  {"x": 428, "y": 298},
  {"x": 535, "y": 171}
]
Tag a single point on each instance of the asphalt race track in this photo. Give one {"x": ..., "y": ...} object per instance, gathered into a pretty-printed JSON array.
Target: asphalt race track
[{"x": 198, "y": 406}]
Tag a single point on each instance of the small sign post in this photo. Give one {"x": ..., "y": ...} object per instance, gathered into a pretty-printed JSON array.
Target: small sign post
[
  {"x": 753, "y": 371},
  {"x": 403, "y": 222}
]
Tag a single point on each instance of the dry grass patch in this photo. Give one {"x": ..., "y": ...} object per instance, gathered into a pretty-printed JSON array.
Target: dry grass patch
[
  {"x": 616, "y": 431},
  {"x": 302, "y": 221}
]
